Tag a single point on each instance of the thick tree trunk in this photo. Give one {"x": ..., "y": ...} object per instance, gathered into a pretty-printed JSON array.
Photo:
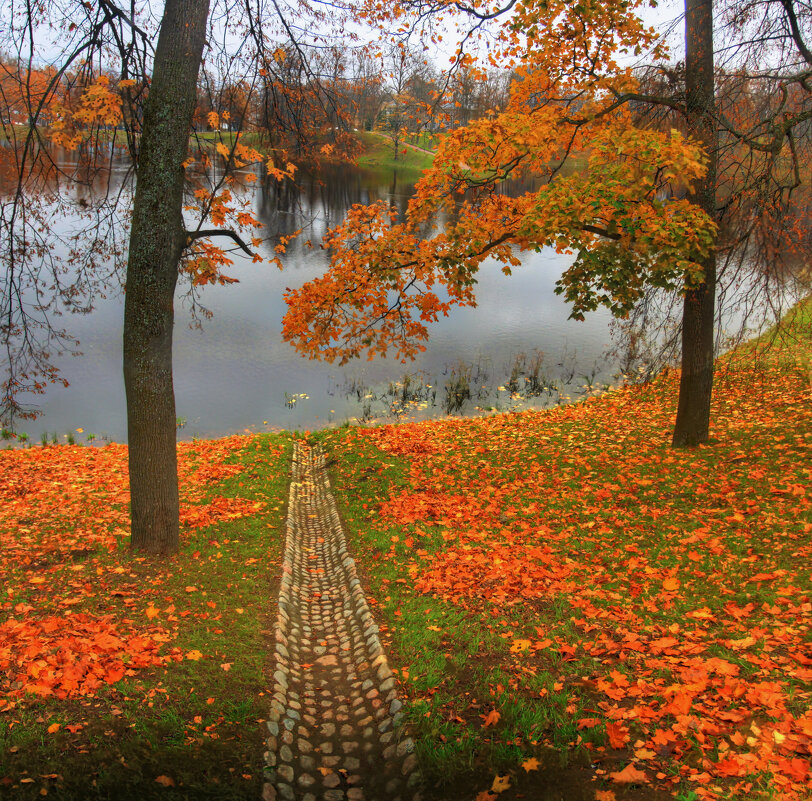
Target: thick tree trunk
[
  {"x": 696, "y": 382},
  {"x": 157, "y": 240}
]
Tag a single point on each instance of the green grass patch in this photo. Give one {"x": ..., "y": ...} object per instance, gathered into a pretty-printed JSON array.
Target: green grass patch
[
  {"x": 377, "y": 152},
  {"x": 612, "y": 600},
  {"x": 193, "y": 728}
]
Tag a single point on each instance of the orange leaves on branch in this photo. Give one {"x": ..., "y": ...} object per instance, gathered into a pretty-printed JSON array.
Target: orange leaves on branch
[{"x": 98, "y": 105}]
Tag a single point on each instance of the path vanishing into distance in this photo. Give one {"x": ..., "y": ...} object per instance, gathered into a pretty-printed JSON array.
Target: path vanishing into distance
[{"x": 333, "y": 724}]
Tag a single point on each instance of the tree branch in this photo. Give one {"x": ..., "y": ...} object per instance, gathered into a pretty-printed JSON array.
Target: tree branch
[
  {"x": 191, "y": 236},
  {"x": 796, "y": 31}
]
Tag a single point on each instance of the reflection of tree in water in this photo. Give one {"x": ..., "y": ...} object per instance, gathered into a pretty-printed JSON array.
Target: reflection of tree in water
[
  {"x": 465, "y": 388},
  {"x": 319, "y": 200}
]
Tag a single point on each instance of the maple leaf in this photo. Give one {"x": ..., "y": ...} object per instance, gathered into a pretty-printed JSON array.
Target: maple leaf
[
  {"x": 152, "y": 612},
  {"x": 618, "y": 734},
  {"x": 519, "y": 646},
  {"x": 194, "y": 655},
  {"x": 530, "y": 764},
  {"x": 500, "y": 784},
  {"x": 491, "y": 719},
  {"x": 605, "y": 795},
  {"x": 54, "y": 727},
  {"x": 629, "y": 775},
  {"x": 486, "y": 795},
  {"x": 166, "y": 781}
]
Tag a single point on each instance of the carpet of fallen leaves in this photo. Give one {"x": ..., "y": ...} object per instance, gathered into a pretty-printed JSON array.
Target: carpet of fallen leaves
[
  {"x": 684, "y": 574},
  {"x": 59, "y": 507}
]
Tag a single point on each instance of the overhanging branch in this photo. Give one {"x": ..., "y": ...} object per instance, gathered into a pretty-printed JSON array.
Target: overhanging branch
[{"x": 191, "y": 236}]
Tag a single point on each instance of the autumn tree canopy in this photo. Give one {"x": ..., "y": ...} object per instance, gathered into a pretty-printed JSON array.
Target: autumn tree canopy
[{"x": 652, "y": 209}]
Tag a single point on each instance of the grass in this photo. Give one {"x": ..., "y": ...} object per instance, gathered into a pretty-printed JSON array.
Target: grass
[
  {"x": 192, "y": 728},
  {"x": 559, "y": 590},
  {"x": 425, "y": 140},
  {"x": 563, "y": 568},
  {"x": 377, "y": 152}
]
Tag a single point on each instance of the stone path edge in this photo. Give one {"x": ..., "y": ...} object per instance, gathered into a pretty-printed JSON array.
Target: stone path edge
[{"x": 333, "y": 688}]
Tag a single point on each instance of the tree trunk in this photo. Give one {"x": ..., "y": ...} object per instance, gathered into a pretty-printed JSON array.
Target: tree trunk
[
  {"x": 157, "y": 240},
  {"x": 696, "y": 382}
]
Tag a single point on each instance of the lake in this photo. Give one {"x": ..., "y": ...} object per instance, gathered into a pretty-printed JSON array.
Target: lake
[{"x": 234, "y": 372}]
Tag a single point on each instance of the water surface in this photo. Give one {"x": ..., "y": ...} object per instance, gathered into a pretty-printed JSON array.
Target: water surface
[{"x": 233, "y": 372}]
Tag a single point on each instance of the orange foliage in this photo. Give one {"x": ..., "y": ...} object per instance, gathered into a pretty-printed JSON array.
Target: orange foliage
[
  {"x": 62, "y": 502},
  {"x": 655, "y": 560}
]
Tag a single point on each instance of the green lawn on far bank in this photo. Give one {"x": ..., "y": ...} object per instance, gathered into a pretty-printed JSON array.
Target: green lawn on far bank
[{"x": 378, "y": 151}]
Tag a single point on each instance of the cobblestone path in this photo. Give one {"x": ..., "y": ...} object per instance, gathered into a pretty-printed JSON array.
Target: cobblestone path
[{"x": 333, "y": 722}]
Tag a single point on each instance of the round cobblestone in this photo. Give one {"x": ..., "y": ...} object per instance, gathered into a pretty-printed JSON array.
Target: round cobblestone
[{"x": 335, "y": 697}]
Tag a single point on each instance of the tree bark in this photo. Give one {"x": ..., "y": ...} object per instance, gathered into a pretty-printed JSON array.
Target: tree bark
[
  {"x": 157, "y": 240},
  {"x": 696, "y": 381}
]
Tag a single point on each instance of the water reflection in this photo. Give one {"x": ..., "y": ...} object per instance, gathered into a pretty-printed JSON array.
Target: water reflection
[{"x": 516, "y": 349}]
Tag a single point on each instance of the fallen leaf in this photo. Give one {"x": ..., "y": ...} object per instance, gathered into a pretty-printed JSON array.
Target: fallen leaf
[
  {"x": 500, "y": 784},
  {"x": 194, "y": 655},
  {"x": 166, "y": 781},
  {"x": 618, "y": 734},
  {"x": 629, "y": 775},
  {"x": 491, "y": 719},
  {"x": 54, "y": 727},
  {"x": 530, "y": 764}
]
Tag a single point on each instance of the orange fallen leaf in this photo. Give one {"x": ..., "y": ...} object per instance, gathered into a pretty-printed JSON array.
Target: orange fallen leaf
[
  {"x": 530, "y": 764},
  {"x": 152, "y": 611},
  {"x": 604, "y": 795},
  {"x": 629, "y": 775},
  {"x": 500, "y": 784},
  {"x": 194, "y": 655},
  {"x": 491, "y": 719},
  {"x": 226, "y": 666},
  {"x": 54, "y": 727},
  {"x": 166, "y": 781},
  {"x": 618, "y": 734},
  {"x": 671, "y": 585},
  {"x": 519, "y": 646}
]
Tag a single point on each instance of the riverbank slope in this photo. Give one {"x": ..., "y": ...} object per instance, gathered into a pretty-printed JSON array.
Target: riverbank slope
[{"x": 571, "y": 605}]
